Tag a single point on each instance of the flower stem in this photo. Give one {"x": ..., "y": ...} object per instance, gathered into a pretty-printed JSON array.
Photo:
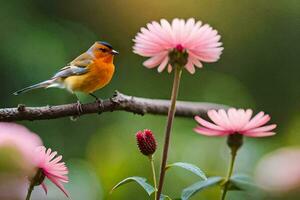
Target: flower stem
[
  {"x": 171, "y": 114},
  {"x": 151, "y": 158},
  {"x": 30, "y": 189},
  {"x": 230, "y": 170}
]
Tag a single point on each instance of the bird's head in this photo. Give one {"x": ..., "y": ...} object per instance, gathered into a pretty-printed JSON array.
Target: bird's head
[{"x": 103, "y": 51}]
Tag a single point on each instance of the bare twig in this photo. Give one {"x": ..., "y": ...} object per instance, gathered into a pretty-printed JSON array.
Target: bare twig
[{"x": 118, "y": 102}]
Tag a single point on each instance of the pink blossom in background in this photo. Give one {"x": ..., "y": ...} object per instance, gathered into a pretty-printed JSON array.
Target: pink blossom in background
[
  {"x": 52, "y": 168},
  {"x": 17, "y": 145},
  {"x": 12, "y": 188},
  {"x": 200, "y": 41},
  {"x": 279, "y": 171},
  {"x": 235, "y": 121},
  {"x": 18, "y": 137}
]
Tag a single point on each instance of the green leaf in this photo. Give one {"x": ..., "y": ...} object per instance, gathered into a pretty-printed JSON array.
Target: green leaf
[
  {"x": 190, "y": 167},
  {"x": 140, "y": 180},
  {"x": 164, "y": 197},
  {"x": 198, "y": 186},
  {"x": 231, "y": 186},
  {"x": 242, "y": 182}
]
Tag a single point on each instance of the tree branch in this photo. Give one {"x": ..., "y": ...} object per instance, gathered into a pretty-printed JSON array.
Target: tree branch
[{"x": 119, "y": 102}]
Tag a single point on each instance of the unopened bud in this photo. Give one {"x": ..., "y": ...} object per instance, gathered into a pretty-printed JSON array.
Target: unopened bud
[
  {"x": 179, "y": 48},
  {"x": 146, "y": 142}
]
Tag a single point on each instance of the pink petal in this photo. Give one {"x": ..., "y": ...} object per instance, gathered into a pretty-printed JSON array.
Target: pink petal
[
  {"x": 233, "y": 118},
  {"x": 209, "y": 132},
  {"x": 165, "y": 36},
  {"x": 260, "y": 134},
  {"x": 61, "y": 178},
  {"x": 59, "y": 185},
  {"x": 194, "y": 35},
  {"x": 156, "y": 33},
  {"x": 45, "y": 188},
  {"x": 224, "y": 117},
  {"x": 52, "y": 155},
  {"x": 188, "y": 30},
  {"x": 167, "y": 29},
  {"x": 150, "y": 35},
  {"x": 238, "y": 118},
  {"x": 258, "y": 120},
  {"x": 196, "y": 62},
  {"x": 247, "y": 117},
  {"x": 176, "y": 29},
  {"x": 262, "y": 129},
  {"x": 208, "y": 124},
  {"x": 207, "y": 55},
  {"x": 155, "y": 60},
  {"x": 163, "y": 64},
  {"x": 190, "y": 67},
  {"x": 56, "y": 160},
  {"x": 214, "y": 116}
]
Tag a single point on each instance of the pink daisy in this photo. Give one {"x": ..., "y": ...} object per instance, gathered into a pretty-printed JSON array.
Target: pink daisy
[
  {"x": 52, "y": 168},
  {"x": 235, "y": 121},
  {"x": 200, "y": 41}
]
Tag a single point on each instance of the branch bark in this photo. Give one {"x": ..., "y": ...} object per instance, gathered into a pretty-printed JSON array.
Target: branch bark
[{"x": 119, "y": 102}]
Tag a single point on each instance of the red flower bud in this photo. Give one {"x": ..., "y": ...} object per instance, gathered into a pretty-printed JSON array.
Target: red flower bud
[
  {"x": 179, "y": 48},
  {"x": 146, "y": 142}
]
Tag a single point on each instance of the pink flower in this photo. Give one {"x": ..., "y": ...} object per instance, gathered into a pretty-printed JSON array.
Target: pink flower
[
  {"x": 13, "y": 136},
  {"x": 200, "y": 41},
  {"x": 16, "y": 146},
  {"x": 52, "y": 168},
  {"x": 279, "y": 171},
  {"x": 235, "y": 122}
]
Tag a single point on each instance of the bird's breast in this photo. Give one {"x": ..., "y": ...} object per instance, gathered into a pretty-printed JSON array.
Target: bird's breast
[{"x": 98, "y": 76}]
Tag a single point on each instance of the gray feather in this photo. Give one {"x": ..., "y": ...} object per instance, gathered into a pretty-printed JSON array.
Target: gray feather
[
  {"x": 43, "y": 84},
  {"x": 70, "y": 71}
]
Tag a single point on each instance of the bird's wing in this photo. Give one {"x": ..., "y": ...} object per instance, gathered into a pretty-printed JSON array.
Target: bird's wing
[
  {"x": 83, "y": 60},
  {"x": 77, "y": 67},
  {"x": 70, "y": 71}
]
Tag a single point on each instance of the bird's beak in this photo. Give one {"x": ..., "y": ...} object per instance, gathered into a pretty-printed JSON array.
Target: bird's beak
[{"x": 114, "y": 52}]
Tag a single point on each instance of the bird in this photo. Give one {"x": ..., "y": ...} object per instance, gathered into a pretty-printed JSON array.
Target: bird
[{"x": 87, "y": 73}]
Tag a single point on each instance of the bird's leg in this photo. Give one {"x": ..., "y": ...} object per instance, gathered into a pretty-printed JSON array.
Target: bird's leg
[
  {"x": 99, "y": 101},
  {"x": 79, "y": 106}
]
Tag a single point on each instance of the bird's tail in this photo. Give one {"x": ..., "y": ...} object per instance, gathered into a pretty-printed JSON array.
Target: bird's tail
[{"x": 43, "y": 84}]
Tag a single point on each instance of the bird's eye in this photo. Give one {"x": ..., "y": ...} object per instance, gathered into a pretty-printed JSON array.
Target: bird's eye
[{"x": 103, "y": 50}]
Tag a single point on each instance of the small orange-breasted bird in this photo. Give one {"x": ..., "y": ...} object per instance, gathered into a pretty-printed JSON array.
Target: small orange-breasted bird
[{"x": 87, "y": 73}]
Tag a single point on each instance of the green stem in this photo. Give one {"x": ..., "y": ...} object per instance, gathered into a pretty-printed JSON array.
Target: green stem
[
  {"x": 30, "y": 189},
  {"x": 171, "y": 114},
  {"x": 154, "y": 175},
  {"x": 230, "y": 170}
]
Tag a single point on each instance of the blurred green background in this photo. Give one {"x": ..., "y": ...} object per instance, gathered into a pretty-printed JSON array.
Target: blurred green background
[{"x": 259, "y": 69}]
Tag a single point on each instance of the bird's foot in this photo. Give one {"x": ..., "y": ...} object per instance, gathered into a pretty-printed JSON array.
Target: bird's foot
[
  {"x": 100, "y": 105},
  {"x": 79, "y": 108},
  {"x": 79, "y": 111}
]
